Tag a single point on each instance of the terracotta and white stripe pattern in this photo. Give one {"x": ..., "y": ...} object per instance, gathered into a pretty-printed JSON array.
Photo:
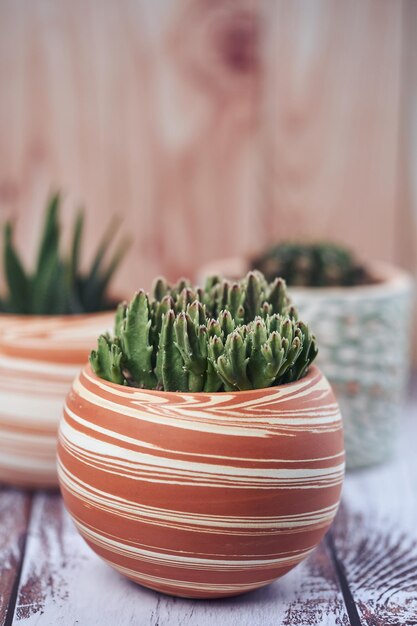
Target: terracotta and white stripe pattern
[
  {"x": 39, "y": 358},
  {"x": 201, "y": 495}
]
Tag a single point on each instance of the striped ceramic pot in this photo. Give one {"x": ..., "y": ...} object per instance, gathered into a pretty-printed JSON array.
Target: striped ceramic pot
[
  {"x": 363, "y": 335},
  {"x": 39, "y": 358},
  {"x": 201, "y": 495}
]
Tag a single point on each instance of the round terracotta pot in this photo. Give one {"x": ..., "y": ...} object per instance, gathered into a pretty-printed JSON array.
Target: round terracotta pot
[
  {"x": 201, "y": 495},
  {"x": 363, "y": 335},
  {"x": 39, "y": 358}
]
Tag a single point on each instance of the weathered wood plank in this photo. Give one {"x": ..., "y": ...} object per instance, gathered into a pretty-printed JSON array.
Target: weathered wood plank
[
  {"x": 14, "y": 517},
  {"x": 375, "y": 535},
  {"x": 63, "y": 582}
]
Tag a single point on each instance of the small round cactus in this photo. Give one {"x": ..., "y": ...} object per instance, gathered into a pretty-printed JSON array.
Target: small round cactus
[
  {"x": 225, "y": 337},
  {"x": 311, "y": 265}
]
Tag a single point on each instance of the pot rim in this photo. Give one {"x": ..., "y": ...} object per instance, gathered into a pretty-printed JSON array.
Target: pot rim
[
  {"x": 388, "y": 278},
  {"x": 87, "y": 371},
  {"x": 21, "y": 317},
  {"x": 114, "y": 300}
]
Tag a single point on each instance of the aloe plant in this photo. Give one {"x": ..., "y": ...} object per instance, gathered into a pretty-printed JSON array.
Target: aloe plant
[
  {"x": 225, "y": 337},
  {"x": 311, "y": 265},
  {"x": 57, "y": 286}
]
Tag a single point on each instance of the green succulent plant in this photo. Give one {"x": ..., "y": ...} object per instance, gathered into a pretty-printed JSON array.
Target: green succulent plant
[
  {"x": 57, "y": 286},
  {"x": 225, "y": 337},
  {"x": 311, "y": 265}
]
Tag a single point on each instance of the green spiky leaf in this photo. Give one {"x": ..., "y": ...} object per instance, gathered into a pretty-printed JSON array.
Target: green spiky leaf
[{"x": 57, "y": 285}]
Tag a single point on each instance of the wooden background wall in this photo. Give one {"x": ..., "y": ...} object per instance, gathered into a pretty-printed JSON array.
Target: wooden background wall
[{"x": 213, "y": 126}]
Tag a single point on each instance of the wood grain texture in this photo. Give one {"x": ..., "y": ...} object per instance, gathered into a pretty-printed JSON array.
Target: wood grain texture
[
  {"x": 333, "y": 171},
  {"x": 375, "y": 535},
  {"x": 112, "y": 102},
  {"x": 14, "y": 518},
  {"x": 212, "y": 125},
  {"x": 406, "y": 226}
]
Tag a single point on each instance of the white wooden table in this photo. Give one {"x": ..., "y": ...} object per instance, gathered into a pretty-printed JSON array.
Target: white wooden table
[{"x": 364, "y": 572}]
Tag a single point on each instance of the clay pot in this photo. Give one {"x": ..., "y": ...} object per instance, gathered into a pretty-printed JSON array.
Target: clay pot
[
  {"x": 201, "y": 495},
  {"x": 39, "y": 358},
  {"x": 363, "y": 335}
]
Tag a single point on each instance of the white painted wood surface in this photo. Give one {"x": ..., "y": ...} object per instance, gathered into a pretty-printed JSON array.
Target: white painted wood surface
[
  {"x": 375, "y": 534},
  {"x": 365, "y": 572},
  {"x": 14, "y": 516}
]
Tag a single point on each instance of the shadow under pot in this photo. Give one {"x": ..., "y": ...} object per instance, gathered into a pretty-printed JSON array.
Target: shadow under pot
[
  {"x": 364, "y": 338},
  {"x": 201, "y": 495},
  {"x": 39, "y": 358}
]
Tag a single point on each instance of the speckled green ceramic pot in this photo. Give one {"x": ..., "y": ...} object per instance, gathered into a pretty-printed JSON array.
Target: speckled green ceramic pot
[{"x": 363, "y": 335}]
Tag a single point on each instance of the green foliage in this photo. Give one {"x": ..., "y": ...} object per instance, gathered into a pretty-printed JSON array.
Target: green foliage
[
  {"x": 106, "y": 361},
  {"x": 311, "y": 265},
  {"x": 225, "y": 337},
  {"x": 57, "y": 286}
]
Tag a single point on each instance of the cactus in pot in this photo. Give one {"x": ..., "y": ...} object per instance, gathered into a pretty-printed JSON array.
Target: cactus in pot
[
  {"x": 225, "y": 337},
  {"x": 49, "y": 318},
  {"x": 351, "y": 305},
  {"x": 201, "y": 451},
  {"x": 321, "y": 264}
]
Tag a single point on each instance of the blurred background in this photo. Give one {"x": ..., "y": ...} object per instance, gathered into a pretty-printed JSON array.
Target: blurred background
[{"x": 213, "y": 127}]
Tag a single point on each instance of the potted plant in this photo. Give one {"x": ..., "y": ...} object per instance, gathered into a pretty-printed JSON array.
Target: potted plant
[
  {"x": 200, "y": 451},
  {"x": 351, "y": 307},
  {"x": 48, "y": 322}
]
